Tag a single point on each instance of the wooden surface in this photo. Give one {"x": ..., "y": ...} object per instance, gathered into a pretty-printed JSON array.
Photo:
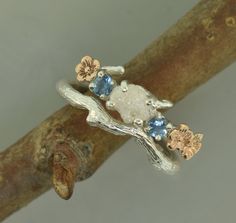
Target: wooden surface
[{"x": 63, "y": 148}]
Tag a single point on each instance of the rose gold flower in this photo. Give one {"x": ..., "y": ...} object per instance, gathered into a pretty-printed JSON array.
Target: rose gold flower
[
  {"x": 183, "y": 139},
  {"x": 87, "y": 68}
]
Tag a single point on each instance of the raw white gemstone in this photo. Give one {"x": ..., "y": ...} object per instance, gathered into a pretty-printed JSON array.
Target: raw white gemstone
[{"x": 132, "y": 104}]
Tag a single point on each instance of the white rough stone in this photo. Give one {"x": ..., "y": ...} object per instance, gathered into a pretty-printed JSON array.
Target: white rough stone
[{"x": 132, "y": 104}]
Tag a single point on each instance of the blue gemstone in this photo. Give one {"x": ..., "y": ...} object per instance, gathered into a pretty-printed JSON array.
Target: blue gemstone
[
  {"x": 157, "y": 127},
  {"x": 102, "y": 85}
]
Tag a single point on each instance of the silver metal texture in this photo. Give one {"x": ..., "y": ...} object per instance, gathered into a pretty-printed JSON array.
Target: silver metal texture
[{"x": 160, "y": 156}]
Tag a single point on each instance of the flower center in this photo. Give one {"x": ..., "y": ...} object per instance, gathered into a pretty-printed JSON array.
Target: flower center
[{"x": 87, "y": 69}]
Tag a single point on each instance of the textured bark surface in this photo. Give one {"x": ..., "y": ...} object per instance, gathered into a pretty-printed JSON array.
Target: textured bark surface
[{"x": 64, "y": 149}]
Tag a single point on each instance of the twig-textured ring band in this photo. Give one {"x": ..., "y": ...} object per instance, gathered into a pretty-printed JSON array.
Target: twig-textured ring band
[{"x": 140, "y": 112}]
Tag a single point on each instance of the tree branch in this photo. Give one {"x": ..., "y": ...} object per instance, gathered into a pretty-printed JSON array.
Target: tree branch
[{"x": 64, "y": 148}]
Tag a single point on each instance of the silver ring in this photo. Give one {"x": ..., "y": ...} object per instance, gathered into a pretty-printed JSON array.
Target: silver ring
[{"x": 139, "y": 110}]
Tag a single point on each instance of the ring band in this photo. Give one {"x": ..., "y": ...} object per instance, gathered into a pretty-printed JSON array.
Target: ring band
[{"x": 139, "y": 110}]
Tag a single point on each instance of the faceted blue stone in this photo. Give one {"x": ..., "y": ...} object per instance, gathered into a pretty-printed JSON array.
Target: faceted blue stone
[
  {"x": 102, "y": 85},
  {"x": 157, "y": 126}
]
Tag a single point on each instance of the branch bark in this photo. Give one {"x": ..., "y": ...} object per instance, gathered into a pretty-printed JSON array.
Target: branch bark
[{"x": 63, "y": 148}]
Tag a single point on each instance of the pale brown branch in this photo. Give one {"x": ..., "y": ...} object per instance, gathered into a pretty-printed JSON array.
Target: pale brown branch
[{"x": 64, "y": 148}]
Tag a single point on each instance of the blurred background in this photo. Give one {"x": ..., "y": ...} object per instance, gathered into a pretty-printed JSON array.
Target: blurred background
[{"x": 42, "y": 41}]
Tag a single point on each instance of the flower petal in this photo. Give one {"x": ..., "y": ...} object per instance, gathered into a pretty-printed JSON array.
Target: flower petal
[
  {"x": 188, "y": 135},
  {"x": 81, "y": 77},
  {"x": 87, "y": 61},
  {"x": 175, "y": 140},
  {"x": 197, "y": 141},
  {"x": 183, "y": 128},
  {"x": 187, "y": 153},
  {"x": 199, "y": 136},
  {"x": 79, "y": 67},
  {"x": 96, "y": 64}
]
